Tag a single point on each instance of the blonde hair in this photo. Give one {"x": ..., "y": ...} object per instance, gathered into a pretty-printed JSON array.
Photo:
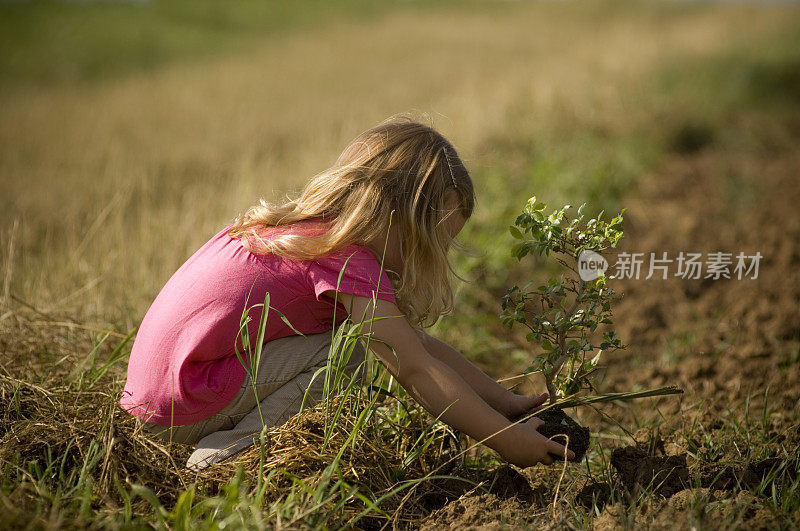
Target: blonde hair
[{"x": 399, "y": 170}]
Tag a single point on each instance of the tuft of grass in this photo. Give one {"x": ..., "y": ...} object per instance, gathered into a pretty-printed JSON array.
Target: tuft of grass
[{"x": 69, "y": 451}]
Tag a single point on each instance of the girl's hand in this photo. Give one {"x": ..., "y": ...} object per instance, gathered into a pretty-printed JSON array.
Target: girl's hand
[
  {"x": 525, "y": 446},
  {"x": 516, "y": 406}
]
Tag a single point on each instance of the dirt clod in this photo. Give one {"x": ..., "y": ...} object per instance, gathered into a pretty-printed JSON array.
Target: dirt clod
[
  {"x": 594, "y": 494},
  {"x": 559, "y": 427},
  {"x": 505, "y": 482},
  {"x": 758, "y": 474},
  {"x": 663, "y": 475}
]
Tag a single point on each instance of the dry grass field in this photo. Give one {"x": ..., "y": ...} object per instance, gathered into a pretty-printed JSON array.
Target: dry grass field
[
  {"x": 113, "y": 183},
  {"x": 686, "y": 114}
]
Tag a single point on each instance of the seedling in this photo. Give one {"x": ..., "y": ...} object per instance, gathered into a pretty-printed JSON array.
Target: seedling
[
  {"x": 569, "y": 317},
  {"x": 563, "y": 314}
]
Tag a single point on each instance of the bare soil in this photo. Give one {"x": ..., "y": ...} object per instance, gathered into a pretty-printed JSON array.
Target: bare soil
[{"x": 731, "y": 344}]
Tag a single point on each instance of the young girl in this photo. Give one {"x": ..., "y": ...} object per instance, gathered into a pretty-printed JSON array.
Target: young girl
[{"x": 399, "y": 194}]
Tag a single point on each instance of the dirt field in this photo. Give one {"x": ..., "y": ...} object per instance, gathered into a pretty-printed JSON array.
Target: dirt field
[
  {"x": 688, "y": 116},
  {"x": 732, "y": 345}
]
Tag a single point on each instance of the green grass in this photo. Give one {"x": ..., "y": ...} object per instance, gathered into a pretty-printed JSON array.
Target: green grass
[
  {"x": 78, "y": 474},
  {"x": 63, "y": 481},
  {"x": 45, "y": 42}
]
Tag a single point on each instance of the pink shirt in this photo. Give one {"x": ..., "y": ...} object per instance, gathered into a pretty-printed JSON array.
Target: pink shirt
[{"x": 183, "y": 367}]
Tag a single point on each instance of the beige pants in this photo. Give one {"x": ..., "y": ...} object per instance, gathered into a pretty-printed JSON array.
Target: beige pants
[{"x": 288, "y": 366}]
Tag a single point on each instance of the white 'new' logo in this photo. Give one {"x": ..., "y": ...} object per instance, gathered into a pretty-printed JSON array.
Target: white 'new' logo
[{"x": 590, "y": 264}]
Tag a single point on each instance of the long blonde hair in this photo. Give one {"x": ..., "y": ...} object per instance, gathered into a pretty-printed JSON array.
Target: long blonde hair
[{"x": 400, "y": 169}]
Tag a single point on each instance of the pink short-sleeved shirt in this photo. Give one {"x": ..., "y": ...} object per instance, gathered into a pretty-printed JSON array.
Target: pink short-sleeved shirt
[{"x": 183, "y": 367}]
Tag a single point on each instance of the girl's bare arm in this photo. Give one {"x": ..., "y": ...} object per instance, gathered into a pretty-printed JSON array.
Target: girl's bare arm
[
  {"x": 506, "y": 402},
  {"x": 441, "y": 390}
]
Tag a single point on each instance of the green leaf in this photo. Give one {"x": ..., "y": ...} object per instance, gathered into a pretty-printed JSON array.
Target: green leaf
[{"x": 515, "y": 232}]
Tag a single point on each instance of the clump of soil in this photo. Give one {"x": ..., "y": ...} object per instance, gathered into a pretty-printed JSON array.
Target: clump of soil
[
  {"x": 758, "y": 474},
  {"x": 560, "y": 427},
  {"x": 505, "y": 482},
  {"x": 594, "y": 494},
  {"x": 638, "y": 470}
]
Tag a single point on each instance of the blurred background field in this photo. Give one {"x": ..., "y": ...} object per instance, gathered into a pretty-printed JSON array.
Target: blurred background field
[
  {"x": 119, "y": 166},
  {"x": 130, "y": 132}
]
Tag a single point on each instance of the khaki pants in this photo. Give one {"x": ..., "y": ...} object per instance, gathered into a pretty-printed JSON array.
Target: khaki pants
[{"x": 288, "y": 366}]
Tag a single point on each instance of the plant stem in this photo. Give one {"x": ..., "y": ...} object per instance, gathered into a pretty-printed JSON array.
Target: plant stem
[{"x": 562, "y": 340}]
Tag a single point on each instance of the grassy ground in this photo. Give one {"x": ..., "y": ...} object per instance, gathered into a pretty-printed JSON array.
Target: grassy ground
[
  {"x": 56, "y": 42},
  {"x": 116, "y": 162}
]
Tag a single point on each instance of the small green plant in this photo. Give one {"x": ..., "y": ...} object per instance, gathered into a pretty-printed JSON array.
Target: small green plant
[{"x": 569, "y": 317}]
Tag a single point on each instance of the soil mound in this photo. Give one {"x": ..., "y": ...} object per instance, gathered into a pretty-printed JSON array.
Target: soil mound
[
  {"x": 662, "y": 475},
  {"x": 559, "y": 427}
]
